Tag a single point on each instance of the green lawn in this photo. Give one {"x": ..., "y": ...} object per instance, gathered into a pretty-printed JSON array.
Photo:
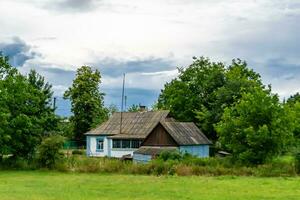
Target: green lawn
[{"x": 53, "y": 185}]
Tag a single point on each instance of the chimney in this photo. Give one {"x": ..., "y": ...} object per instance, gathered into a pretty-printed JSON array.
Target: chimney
[{"x": 142, "y": 108}]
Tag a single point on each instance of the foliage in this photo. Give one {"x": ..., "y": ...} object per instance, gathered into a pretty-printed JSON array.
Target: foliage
[
  {"x": 192, "y": 89},
  {"x": 256, "y": 128},
  {"x": 65, "y": 127},
  {"x": 25, "y": 111},
  {"x": 49, "y": 151},
  {"x": 204, "y": 89},
  {"x": 133, "y": 108},
  {"x": 294, "y": 99},
  {"x": 77, "y": 152},
  {"x": 86, "y": 101},
  {"x": 297, "y": 162},
  {"x": 112, "y": 108}
]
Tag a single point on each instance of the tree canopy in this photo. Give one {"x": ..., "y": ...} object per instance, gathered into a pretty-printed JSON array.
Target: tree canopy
[
  {"x": 204, "y": 89},
  {"x": 86, "y": 101},
  {"x": 25, "y": 110},
  {"x": 255, "y": 128}
]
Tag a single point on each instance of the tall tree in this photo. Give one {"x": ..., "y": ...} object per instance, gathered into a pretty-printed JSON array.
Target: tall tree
[
  {"x": 238, "y": 80},
  {"x": 256, "y": 128},
  {"x": 204, "y": 89},
  {"x": 192, "y": 89},
  {"x": 293, "y": 104},
  {"x": 24, "y": 112},
  {"x": 86, "y": 100}
]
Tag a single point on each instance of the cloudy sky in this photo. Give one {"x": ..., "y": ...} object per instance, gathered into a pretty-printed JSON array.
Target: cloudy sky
[{"x": 147, "y": 40}]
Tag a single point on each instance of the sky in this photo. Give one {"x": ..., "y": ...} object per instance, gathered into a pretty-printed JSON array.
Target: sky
[{"x": 148, "y": 40}]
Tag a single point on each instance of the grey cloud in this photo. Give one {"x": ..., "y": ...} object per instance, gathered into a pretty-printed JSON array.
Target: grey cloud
[
  {"x": 114, "y": 67},
  {"x": 134, "y": 96},
  {"x": 17, "y": 51},
  {"x": 72, "y": 5}
]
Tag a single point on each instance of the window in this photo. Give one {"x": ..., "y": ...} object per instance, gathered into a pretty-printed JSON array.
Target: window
[
  {"x": 99, "y": 143},
  {"x": 125, "y": 144},
  {"x": 116, "y": 144},
  {"x": 135, "y": 144}
]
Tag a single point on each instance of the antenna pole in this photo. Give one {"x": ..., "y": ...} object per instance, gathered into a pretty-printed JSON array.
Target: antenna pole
[
  {"x": 54, "y": 103},
  {"x": 122, "y": 103}
]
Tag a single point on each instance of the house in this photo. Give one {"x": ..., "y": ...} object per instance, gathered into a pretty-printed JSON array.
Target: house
[{"x": 144, "y": 135}]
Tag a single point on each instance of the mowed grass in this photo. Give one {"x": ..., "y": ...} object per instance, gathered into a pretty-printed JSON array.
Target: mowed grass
[{"x": 71, "y": 186}]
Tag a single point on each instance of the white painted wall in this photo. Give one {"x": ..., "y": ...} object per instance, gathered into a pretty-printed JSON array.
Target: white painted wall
[
  {"x": 91, "y": 146},
  {"x": 107, "y": 148}
]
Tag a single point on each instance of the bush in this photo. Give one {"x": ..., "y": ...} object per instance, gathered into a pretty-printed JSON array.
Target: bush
[
  {"x": 170, "y": 155},
  {"x": 297, "y": 162},
  {"x": 77, "y": 152},
  {"x": 49, "y": 151}
]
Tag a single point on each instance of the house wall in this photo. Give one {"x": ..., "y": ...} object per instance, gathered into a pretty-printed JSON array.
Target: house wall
[
  {"x": 118, "y": 153},
  {"x": 159, "y": 137},
  {"x": 201, "y": 151},
  {"x": 141, "y": 158},
  {"x": 107, "y": 148},
  {"x": 91, "y": 146}
]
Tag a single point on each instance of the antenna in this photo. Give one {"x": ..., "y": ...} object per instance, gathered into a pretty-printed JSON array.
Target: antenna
[
  {"x": 125, "y": 107},
  {"x": 122, "y": 103},
  {"x": 54, "y": 103}
]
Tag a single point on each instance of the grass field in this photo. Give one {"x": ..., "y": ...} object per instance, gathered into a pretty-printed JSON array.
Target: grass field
[{"x": 54, "y": 185}]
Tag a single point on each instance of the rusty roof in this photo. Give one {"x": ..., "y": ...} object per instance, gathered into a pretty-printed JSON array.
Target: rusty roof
[
  {"x": 134, "y": 124},
  {"x": 185, "y": 133}
]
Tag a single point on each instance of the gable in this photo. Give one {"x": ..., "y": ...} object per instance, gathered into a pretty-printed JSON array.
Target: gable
[{"x": 159, "y": 137}]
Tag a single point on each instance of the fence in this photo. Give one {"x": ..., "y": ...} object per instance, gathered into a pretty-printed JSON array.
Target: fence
[{"x": 74, "y": 144}]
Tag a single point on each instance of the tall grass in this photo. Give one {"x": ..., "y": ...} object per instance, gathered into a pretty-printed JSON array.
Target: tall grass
[{"x": 184, "y": 166}]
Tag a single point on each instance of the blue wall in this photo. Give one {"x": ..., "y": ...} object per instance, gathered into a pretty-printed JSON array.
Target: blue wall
[
  {"x": 141, "y": 158},
  {"x": 197, "y": 150}
]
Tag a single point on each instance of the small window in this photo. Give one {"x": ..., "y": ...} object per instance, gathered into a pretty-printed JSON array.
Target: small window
[
  {"x": 135, "y": 144},
  {"x": 99, "y": 144},
  {"x": 116, "y": 144},
  {"x": 125, "y": 144}
]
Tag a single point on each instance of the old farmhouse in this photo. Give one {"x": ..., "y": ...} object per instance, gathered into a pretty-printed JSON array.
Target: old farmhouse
[{"x": 144, "y": 135}]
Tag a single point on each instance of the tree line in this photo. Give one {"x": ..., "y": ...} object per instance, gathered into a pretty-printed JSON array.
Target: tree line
[
  {"x": 229, "y": 103},
  {"x": 232, "y": 106}
]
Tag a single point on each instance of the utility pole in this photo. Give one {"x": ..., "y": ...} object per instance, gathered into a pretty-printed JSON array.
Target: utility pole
[{"x": 122, "y": 103}]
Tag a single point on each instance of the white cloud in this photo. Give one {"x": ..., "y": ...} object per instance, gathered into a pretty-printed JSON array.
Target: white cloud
[{"x": 86, "y": 33}]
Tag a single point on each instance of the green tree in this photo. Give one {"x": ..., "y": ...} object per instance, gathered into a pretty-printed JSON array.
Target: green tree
[
  {"x": 204, "y": 89},
  {"x": 192, "y": 90},
  {"x": 294, "y": 98},
  {"x": 24, "y": 112},
  {"x": 134, "y": 108},
  {"x": 86, "y": 100},
  {"x": 49, "y": 151},
  {"x": 256, "y": 128},
  {"x": 293, "y": 104},
  {"x": 112, "y": 108},
  {"x": 238, "y": 79}
]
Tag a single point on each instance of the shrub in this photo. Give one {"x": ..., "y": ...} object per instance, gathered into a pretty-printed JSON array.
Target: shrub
[
  {"x": 49, "y": 151},
  {"x": 184, "y": 170},
  {"x": 297, "y": 162},
  {"x": 170, "y": 155},
  {"x": 77, "y": 152}
]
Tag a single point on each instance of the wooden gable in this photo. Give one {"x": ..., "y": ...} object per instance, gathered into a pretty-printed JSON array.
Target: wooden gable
[{"x": 159, "y": 137}]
